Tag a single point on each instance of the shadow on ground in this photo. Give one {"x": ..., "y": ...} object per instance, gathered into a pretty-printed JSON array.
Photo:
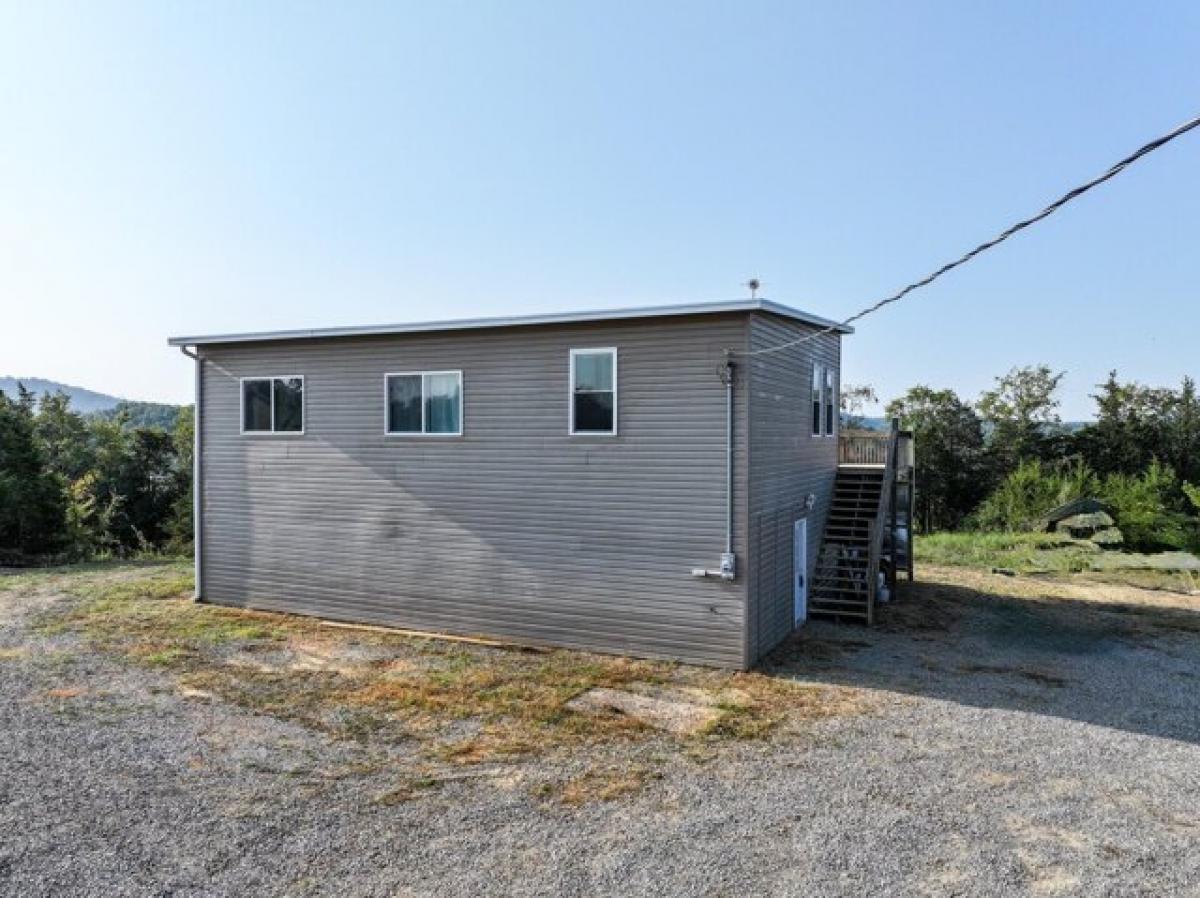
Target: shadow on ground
[{"x": 985, "y": 641}]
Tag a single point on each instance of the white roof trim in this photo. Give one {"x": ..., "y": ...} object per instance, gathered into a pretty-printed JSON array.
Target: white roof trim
[{"x": 707, "y": 308}]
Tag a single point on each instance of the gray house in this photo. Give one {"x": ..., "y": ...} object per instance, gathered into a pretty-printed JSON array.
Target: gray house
[{"x": 633, "y": 481}]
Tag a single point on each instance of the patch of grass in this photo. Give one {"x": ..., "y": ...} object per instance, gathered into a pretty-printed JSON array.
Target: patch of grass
[
  {"x": 611, "y": 784},
  {"x": 144, "y": 612},
  {"x": 511, "y": 703},
  {"x": 754, "y": 705},
  {"x": 1019, "y": 552},
  {"x": 1048, "y": 553},
  {"x": 409, "y": 788},
  {"x": 168, "y": 657},
  {"x": 361, "y": 726}
]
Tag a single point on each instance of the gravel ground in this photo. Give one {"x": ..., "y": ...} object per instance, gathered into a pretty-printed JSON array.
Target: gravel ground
[{"x": 1017, "y": 748}]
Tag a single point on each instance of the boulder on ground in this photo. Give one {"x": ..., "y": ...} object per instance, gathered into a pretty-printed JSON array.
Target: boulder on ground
[
  {"x": 1082, "y": 526},
  {"x": 1071, "y": 509},
  {"x": 1108, "y": 538}
]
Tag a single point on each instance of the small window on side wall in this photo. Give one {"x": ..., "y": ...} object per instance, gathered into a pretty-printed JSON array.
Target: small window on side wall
[
  {"x": 273, "y": 404},
  {"x": 816, "y": 400},
  {"x": 830, "y": 403},
  {"x": 424, "y": 403},
  {"x": 593, "y": 392}
]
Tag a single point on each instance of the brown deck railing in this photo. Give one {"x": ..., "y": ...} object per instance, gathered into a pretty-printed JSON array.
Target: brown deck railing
[
  {"x": 879, "y": 526},
  {"x": 859, "y": 447}
]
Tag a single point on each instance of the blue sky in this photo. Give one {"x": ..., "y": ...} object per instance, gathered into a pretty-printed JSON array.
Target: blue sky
[{"x": 176, "y": 168}]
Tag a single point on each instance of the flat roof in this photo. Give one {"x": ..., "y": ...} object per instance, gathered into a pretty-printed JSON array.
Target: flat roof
[{"x": 705, "y": 308}]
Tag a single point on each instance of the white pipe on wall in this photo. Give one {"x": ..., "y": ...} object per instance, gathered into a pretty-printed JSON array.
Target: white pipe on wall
[{"x": 197, "y": 481}]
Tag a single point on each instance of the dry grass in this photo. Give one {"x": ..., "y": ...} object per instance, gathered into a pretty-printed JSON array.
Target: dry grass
[
  {"x": 375, "y": 685},
  {"x": 608, "y": 784},
  {"x": 409, "y": 788},
  {"x": 65, "y": 692}
]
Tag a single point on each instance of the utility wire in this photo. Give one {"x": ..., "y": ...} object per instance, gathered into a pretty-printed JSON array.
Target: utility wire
[{"x": 984, "y": 247}]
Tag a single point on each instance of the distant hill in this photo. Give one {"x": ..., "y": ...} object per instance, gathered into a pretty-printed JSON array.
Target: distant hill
[
  {"x": 82, "y": 400},
  {"x": 89, "y": 402},
  {"x": 143, "y": 414},
  {"x": 871, "y": 423}
]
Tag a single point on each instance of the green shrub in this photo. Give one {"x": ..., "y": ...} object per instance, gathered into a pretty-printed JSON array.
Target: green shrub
[
  {"x": 1149, "y": 509},
  {"x": 1029, "y": 493}
]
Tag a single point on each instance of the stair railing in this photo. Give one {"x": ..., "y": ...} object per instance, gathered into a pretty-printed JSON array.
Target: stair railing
[{"x": 877, "y": 527}]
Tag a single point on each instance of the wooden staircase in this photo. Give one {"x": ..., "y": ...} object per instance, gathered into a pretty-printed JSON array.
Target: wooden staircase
[{"x": 868, "y": 528}]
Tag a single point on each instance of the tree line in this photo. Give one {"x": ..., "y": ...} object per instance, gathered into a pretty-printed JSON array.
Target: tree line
[
  {"x": 76, "y": 486},
  {"x": 1002, "y": 462}
]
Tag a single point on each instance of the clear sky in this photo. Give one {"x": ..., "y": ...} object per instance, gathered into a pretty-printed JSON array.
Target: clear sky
[{"x": 170, "y": 168}]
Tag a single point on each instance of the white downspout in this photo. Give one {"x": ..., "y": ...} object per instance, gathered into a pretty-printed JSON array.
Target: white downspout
[
  {"x": 728, "y": 568},
  {"x": 197, "y": 481},
  {"x": 728, "y": 559}
]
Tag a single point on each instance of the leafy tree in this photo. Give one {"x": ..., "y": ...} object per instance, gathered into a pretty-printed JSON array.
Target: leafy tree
[
  {"x": 1183, "y": 431},
  {"x": 32, "y": 504},
  {"x": 180, "y": 525},
  {"x": 948, "y": 436},
  {"x": 855, "y": 398},
  {"x": 137, "y": 480},
  {"x": 1020, "y": 413},
  {"x": 64, "y": 436},
  {"x": 1128, "y": 431}
]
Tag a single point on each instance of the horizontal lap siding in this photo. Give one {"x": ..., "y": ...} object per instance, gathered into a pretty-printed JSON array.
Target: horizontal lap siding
[
  {"x": 515, "y": 529},
  {"x": 787, "y": 463}
]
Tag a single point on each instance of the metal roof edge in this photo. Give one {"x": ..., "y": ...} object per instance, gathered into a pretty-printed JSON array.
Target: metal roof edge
[{"x": 707, "y": 308}]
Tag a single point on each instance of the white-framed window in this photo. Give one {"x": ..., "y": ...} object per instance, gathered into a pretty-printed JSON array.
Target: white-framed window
[
  {"x": 593, "y": 392},
  {"x": 423, "y": 403},
  {"x": 824, "y": 401},
  {"x": 831, "y": 403},
  {"x": 273, "y": 405},
  {"x": 817, "y": 380}
]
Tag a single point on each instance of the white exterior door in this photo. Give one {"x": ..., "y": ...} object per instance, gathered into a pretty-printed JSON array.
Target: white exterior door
[{"x": 800, "y": 572}]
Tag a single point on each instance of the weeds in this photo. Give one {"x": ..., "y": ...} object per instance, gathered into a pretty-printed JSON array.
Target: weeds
[
  {"x": 410, "y": 787},
  {"x": 598, "y": 785},
  {"x": 409, "y": 688},
  {"x": 1020, "y": 552}
]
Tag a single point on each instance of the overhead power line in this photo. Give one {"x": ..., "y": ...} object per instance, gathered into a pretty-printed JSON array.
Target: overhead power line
[{"x": 984, "y": 247}]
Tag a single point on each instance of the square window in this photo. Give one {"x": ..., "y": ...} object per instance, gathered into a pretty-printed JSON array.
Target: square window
[
  {"x": 273, "y": 404},
  {"x": 424, "y": 403}
]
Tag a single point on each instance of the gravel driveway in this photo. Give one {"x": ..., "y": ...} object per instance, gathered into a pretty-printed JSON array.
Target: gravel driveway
[{"x": 1024, "y": 739}]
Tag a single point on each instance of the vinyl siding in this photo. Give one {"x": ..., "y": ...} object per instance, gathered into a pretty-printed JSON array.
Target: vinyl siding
[
  {"x": 515, "y": 529},
  {"x": 786, "y": 464}
]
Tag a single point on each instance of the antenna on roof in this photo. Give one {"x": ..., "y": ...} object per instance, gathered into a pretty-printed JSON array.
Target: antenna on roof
[{"x": 754, "y": 284}]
